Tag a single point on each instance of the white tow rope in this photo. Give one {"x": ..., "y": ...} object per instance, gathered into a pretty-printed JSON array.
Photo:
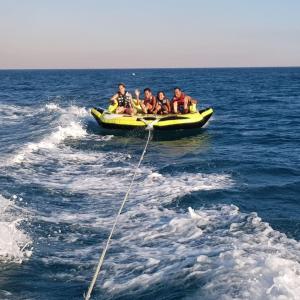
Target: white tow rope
[{"x": 101, "y": 259}]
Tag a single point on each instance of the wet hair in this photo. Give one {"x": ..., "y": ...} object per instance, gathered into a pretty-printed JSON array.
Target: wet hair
[
  {"x": 147, "y": 89},
  {"x": 122, "y": 84},
  {"x": 160, "y": 92},
  {"x": 177, "y": 88}
]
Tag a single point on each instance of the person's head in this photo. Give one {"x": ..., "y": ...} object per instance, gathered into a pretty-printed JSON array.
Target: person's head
[
  {"x": 161, "y": 95},
  {"x": 147, "y": 93},
  {"x": 122, "y": 88},
  {"x": 177, "y": 92}
]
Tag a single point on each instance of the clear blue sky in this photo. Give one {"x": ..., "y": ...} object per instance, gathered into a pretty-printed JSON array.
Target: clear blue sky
[{"x": 156, "y": 33}]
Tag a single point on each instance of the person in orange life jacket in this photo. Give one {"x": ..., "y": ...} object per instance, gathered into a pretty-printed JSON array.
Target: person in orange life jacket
[
  {"x": 162, "y": 104},
  {"x": 149, "y": 102},
  {"x": 124, "y": 101},
  {"x": 181, "y": 101}
]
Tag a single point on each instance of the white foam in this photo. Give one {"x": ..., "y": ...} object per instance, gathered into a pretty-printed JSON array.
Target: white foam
[
  {"x": 255, "y": 261},
  {"x": 14, "y": 243},
  {"x": 52, "y": 107},
  {"x": 177, "y": 185},
  {"x": 73, "y": 130},
  {"x": 227, "y": 253},
  {"x": 70, "y": 127},
  {"x": 230, "y": 252},
  {"x": 12, "y": 114},
  {"x": 102, "y": 179},
  {"x": 70, "y": 110},
  {"x": 78, "y": 111}
]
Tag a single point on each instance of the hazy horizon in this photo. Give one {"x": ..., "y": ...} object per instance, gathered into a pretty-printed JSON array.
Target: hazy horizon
[
  {"x": 130, "y": 34},
  {"x": 142, "y": 68}
]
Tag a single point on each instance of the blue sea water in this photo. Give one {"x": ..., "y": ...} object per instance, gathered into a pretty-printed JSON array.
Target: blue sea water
[{"x": 212, "y": 215}]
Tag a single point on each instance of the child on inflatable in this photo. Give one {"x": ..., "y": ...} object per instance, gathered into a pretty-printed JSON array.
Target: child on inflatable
[
  {"x": 149, "y": 103},
  {"x": 163, "y": 105}
]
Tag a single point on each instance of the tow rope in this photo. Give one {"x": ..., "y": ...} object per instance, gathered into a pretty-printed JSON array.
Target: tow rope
[{"x": 101, "y": 259}]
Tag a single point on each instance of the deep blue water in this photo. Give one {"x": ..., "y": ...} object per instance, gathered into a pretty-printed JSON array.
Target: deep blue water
[{"x": 212, "y": 215}]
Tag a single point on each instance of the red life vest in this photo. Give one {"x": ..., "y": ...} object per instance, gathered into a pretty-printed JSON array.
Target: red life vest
[
  {"x": 150, "y": 101},
  {"x": 180, "y": 100}
]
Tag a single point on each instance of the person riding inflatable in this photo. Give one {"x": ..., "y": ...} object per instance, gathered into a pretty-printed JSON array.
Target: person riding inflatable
[
  {"x": 121, "y": 102},
  {"x": 182, "y": 103}
]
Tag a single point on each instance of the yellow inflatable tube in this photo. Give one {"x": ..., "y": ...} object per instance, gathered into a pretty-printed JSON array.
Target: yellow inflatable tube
[{"x": 107, "y": 119}]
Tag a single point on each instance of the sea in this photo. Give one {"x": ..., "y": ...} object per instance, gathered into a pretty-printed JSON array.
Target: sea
[{"x": 213, "y": 213}]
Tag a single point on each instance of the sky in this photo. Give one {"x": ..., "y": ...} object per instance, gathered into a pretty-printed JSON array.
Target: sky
[{"x": 59, "y": 34}]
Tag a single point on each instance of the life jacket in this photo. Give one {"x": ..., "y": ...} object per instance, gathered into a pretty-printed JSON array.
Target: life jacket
[
  {"x": 150, "y": 101},
  {"x": 162, "y": 102},
  {"x": 180, "y": 100},
  {"x": 124, "y": 100}
]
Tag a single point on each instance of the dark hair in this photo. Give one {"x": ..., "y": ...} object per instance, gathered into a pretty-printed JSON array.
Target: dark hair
[
  {"x": 177, "y": 88},
  {"x": 122, "y": 84},
  {"x": 161, "y": 92},
  {"x": 147, "y": 89}
]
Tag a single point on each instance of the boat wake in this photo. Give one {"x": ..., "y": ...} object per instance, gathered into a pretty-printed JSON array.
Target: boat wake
[
  {"x": 68, "y": 127},
  {"x": 220, "y": 252},
  {"x": 15, "y": 244},
  {"x": 160, "y": 247}
]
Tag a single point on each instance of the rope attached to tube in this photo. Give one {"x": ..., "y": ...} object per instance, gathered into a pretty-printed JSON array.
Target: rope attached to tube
[{"x": 101, "y": 259}]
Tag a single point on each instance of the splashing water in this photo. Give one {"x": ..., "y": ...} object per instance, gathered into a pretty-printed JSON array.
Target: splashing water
[{"x": 14, "y": 243}]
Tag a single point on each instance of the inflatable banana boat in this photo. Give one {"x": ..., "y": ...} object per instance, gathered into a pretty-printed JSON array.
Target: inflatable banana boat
[{"x": 196, "y": 119}]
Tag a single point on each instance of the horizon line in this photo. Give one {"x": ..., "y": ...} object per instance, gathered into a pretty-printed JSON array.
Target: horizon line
[{"x": 143, "y": 68}]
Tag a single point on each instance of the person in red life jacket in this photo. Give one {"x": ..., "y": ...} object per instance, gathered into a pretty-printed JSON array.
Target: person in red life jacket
[
  {"x": 149, "y": 103},
  {"x": 123, "y": 100},
  {"x": 163, "y": 105},
  {"x": 181, "y": 102}
]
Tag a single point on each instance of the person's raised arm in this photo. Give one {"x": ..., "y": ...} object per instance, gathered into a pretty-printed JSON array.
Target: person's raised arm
[{"x": 137, "y": 94}]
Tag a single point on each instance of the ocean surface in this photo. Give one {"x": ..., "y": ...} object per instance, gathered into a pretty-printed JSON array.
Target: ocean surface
[{"x": 213, "y": 214}]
